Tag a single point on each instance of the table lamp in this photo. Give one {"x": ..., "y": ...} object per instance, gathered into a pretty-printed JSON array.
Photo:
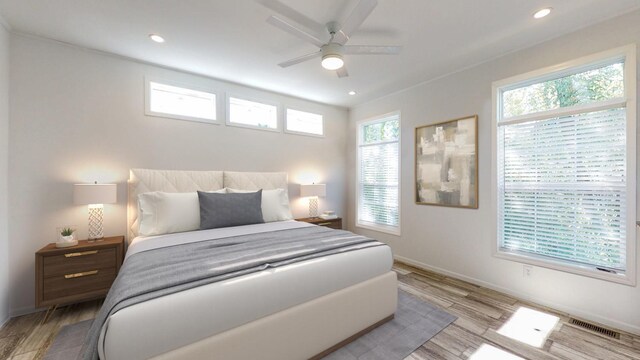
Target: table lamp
[
  {"x": 95, "y": 195},
  {"x": 312, "y": 191}
]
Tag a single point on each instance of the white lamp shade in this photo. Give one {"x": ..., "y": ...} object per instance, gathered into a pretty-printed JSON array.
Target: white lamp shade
[
  {"x": 84, "y": 194},
  {"x": 313, "y": 190}
]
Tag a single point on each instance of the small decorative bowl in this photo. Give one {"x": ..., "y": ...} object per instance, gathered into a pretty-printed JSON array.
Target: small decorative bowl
[{"x": 64, "y": 244}]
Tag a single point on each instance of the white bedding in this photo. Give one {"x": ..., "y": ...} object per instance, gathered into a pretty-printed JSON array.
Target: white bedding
[
  {"x": 149, "y": 329},
  {"x": 143, "y": 243}
]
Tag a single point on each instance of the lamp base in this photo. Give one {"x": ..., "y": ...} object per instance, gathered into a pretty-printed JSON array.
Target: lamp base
[
  {"x": 96, "y": 217},
  {"x": 313, "y": 207}
]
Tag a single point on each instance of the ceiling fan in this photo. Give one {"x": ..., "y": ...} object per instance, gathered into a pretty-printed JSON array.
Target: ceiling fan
[{"x": 330, "y": 38}]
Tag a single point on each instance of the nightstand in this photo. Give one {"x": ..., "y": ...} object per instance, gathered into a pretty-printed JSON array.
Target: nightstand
[
  {"x": 78, "y": 273},
  {"x": 331, "y": 223}
]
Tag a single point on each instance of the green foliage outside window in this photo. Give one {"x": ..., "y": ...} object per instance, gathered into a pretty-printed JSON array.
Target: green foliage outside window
[
  {"x": 599, "y": 84},
  {"x": 382, "y": 131}
]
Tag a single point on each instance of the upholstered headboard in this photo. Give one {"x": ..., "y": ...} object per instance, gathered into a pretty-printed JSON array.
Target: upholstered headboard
[
  {"x": 255, "y": 180},
  {"x": 146, "y": 180}
]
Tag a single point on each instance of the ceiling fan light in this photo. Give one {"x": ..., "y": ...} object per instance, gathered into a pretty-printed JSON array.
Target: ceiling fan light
[{"x": 332, "y": 62}]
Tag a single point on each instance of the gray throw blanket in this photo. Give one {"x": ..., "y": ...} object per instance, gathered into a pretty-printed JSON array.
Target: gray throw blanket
[{"x": 159, "y": 272}]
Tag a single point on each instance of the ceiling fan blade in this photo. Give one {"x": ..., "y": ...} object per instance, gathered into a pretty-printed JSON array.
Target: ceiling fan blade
[
  {"x": 294, "y": 15},
  {"x": 355, "y": 19},
  {"x": 342, "y": 72},
  {"x": 293, "y": 30},
  {"x": 300, "y": 59},
  {"x": 371, "y": 50}
]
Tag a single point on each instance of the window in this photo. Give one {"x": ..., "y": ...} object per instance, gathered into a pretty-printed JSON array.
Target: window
[
  {"x": 565, "y": 167},
  {"x": 378, "y": 193},
  {"x": 247, "y": 113},
  {"x": 171, "y": 101},
  {"x": 304, "y": 123}
]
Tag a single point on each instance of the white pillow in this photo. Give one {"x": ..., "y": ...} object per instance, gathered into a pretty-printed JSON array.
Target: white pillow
[
  {"x": 275, "y": 204},
  {"x": 164, "y": 213}
]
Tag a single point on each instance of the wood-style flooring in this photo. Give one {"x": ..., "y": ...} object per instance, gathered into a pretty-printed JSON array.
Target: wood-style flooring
[{"x": 474, "y": 335}]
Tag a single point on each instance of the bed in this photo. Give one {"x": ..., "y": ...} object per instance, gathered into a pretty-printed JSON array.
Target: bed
[{"x": 296, "y": 311}]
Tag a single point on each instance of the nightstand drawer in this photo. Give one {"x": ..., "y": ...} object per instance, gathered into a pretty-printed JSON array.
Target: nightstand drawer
[
  {"x": 79, "y": 261},
  {"x": 75, "y": 283}
]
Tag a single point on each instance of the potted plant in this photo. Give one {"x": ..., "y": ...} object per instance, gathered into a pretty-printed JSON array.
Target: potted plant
[
  {"x": 66, "y": 237},
  {"x": 67, "y": 234}
]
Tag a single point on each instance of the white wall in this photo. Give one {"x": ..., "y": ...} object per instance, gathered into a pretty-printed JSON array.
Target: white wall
[
  {"x": 4, "y": 173},
  {"x": 459, "y": 241},
  {"x": 78, "y": 116}
]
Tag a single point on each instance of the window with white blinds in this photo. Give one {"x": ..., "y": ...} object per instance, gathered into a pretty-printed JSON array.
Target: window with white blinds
[
  {"x": 565, "y": 167},
  {"x": 378, "y": 196}
]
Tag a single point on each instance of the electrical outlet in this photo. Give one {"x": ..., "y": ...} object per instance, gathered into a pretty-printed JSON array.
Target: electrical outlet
[{"x": 527, "y": 271}]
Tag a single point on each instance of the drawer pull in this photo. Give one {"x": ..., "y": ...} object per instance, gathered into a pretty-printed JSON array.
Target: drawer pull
[
  {"x": 90, "y": 252},
  {"x": 80, "y": 274},
  {"x": 323, "y": 224}
]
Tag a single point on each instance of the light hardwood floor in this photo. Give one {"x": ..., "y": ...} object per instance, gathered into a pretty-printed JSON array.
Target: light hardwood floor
[{"x": 481, "y": 313}]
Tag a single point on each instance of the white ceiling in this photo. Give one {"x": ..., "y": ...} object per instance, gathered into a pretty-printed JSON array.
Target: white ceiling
[{"x": 230, "y": 40}]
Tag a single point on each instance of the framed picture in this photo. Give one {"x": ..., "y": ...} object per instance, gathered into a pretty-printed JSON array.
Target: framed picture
[{"x": 446, "y": 171}]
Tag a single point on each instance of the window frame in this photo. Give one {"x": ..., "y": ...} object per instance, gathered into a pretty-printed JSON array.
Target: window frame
[
  {"x": 629, "y": 100},
  {"x": 185, "y": 85},
  {"x": 359, "y": 125},
  {"x": 286, "y": 122},
  {"x": 259, "y": 100}
]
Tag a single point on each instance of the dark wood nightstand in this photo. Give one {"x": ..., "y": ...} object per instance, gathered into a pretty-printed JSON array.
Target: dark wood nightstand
[
  {"x": 331, "y": 223},
  {"x": 78, "y": 273}
]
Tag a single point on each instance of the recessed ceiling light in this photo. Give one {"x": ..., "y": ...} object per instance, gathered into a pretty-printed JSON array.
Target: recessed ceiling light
[
  {"x": 352, "y": 92},
  {"x": 542, "y": 13},
  {"x": 156, "y": 38}
]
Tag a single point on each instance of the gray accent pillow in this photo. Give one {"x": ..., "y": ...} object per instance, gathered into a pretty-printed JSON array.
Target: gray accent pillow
[{"x": 224, "y": 210}]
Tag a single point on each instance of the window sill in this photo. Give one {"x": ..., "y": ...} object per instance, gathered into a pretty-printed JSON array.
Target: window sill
[
  {"x": 246, "y": 126},
  {"x": 182, "y": 117},
  {"x": 625, "y": 279},
  {"x": 384, "y": 229},
  {"x": 304, "y": 133}
]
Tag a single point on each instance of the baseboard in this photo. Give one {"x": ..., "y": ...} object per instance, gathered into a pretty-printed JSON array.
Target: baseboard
[
  {"x": 4, "y": 322},
  {"x": 24, "y": 311},
  {"x": 526, "y": 297}
]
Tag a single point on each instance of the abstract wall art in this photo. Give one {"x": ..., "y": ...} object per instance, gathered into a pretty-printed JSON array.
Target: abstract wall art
[{"x": 446, "y": 171}]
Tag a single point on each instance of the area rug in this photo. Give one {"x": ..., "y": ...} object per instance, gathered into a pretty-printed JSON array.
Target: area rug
[{"x": 414, "y": 324}]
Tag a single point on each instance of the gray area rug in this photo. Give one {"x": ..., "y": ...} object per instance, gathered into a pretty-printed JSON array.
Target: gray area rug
[
  {"x": 414, "y": 324},
  {"x": 68, "y": 342}
]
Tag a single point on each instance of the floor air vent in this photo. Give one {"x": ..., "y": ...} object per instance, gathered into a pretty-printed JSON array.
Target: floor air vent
[{"x": 595, "y": 328}]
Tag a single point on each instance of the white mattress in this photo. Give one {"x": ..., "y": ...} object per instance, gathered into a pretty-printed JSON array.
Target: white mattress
[{"x": 169, "y": 322}]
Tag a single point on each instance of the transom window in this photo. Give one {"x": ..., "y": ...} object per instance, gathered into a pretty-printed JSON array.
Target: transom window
[
  {"x": 303, "y": 122},
  {"x": 378, "y": 196},
  {"x": 185, "y": 103},
  {"x": 565, "y": 166},
  {"x": 253, "y": 114}
]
